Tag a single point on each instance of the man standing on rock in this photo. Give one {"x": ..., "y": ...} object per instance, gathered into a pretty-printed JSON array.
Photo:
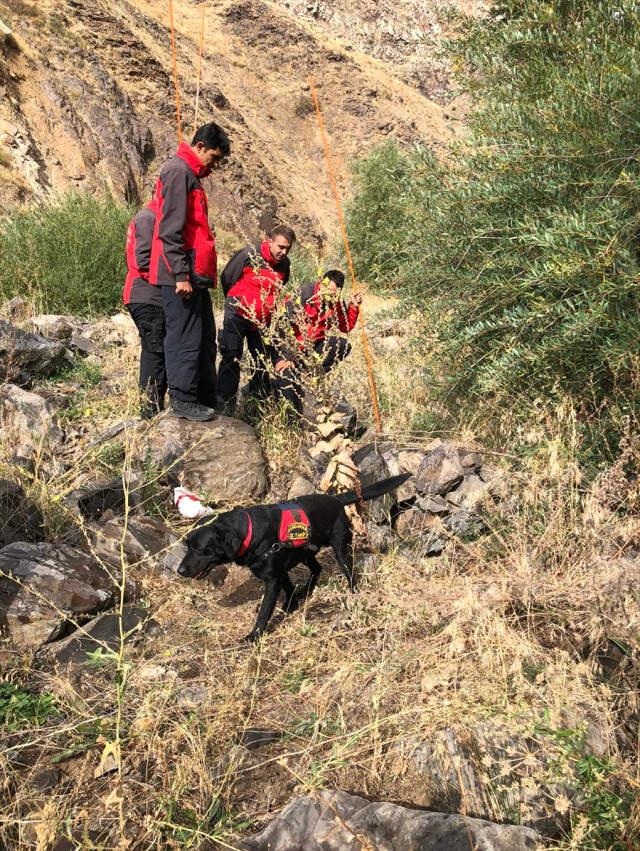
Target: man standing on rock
[
  {"x": 252, "y": 281},
  {"x": 144, "y": 303},
  {"x": 183, "y": 264}
]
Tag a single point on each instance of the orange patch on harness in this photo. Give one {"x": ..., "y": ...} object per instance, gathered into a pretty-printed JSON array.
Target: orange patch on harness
[{"x": 295, "y": 527}]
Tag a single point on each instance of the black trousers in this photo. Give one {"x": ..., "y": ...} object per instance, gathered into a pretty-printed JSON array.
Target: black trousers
[
  {"x": 149, "y": 319},
  {"x": 235, "y": 331},
  {"x": 190, "y": 346},
  {"x": 289, "y": 382},
  {"x": 332, "y": 350}
]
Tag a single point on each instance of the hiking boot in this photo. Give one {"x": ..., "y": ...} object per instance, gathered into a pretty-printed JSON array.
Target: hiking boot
[{"x": 191, "y": 411}]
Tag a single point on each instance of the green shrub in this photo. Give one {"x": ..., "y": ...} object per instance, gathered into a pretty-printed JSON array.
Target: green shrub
[
  {"x": 20, "y": 708},
  {"x": 522, "y": 246},
  {"x": 68, "y": 255}
]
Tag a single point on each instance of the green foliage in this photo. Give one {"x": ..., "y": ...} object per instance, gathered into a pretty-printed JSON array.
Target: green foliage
[
  {"x": 522, "y": 247},
  {"x": 602, "y": 809},
  {"x": 20, "y": 708},
  {"x": 68, "y": 255}
]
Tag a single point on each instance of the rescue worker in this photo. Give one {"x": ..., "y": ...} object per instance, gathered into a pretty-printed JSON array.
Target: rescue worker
[
  {"x": 318, "y": 309},
  {"x": 144, "y": 303},
  {"x": 183, "y": 265},
  {"x": 252, "y": 281}
]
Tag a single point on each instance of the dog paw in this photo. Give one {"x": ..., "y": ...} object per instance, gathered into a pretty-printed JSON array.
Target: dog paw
[{"x": 252, "y": 637}]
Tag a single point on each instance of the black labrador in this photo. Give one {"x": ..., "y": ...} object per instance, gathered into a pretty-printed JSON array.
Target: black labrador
[{"x": 271, "y": 539}]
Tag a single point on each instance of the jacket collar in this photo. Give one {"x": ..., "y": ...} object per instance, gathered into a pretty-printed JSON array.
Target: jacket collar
[
  {"x": 265, "y": 251},
  {"x": 185, "y": 153}
]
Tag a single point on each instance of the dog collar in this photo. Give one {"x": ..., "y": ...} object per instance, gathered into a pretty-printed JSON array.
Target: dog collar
[{"x": 247, "y": 541}]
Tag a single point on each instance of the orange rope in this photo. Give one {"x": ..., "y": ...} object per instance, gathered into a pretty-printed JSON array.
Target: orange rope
[
  {"x": 176, "y": 84},
  {"x": 201, "y": 51},
  {"x": 334, "y": 186}
]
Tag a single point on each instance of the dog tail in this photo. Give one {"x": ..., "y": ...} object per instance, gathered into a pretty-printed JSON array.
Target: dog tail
[{"x": 372, "y": 491}]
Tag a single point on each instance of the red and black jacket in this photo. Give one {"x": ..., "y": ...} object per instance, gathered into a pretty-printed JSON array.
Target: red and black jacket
[
  {"x": 252, "y": 280},
  {"x": 184, "y": 247},
  {"x": 138, "y": 252},
  {"x": 314, "y": 315}
]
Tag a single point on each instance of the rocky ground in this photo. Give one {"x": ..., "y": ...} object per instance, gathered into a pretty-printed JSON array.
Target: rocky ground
[
  {"x": 485, "y": 671},
  {"x": 87, "y": 99}
]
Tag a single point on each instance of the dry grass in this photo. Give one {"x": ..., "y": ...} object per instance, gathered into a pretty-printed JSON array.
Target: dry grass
[{"x": 514, "y": 631}]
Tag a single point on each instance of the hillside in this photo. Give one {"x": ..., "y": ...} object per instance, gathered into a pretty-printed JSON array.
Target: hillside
[{"x": 88, "y": 97}]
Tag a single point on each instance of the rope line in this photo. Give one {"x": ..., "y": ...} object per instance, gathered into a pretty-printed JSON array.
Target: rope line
[
  {"x": 200, "y": 52},
  {"x": 334, "y": 186},
  {"x": 174, "y": 59}
]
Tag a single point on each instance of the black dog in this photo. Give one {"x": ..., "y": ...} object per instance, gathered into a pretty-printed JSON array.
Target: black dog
[{"x": 272, "y": 539}]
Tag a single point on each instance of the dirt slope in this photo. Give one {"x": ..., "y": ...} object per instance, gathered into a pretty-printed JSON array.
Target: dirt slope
[{"x": 87, "y": 98}]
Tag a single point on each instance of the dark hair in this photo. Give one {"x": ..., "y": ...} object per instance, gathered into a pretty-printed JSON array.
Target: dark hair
[
  {"x": 336, "y": 276},
  {"x": 212, "y": 136},
  {"x": 285, "y": 231}
]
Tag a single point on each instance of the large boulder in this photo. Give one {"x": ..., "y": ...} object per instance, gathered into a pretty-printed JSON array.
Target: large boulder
[
  {"x": 221, "y": 460},
  {"x": 440, "y": 471},
  {"x": 336, "y": 821},
  {"x": 25, "y": 356},
  {"x": 20, "y": 517},
  {"x": 500, "y": 772},
  {"x": 28, "y": 424},
  {"x": 42, "y": 586}
]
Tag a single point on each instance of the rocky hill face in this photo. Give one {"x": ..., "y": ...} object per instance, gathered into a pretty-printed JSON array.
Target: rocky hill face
[{"x": 87, "y": 96}]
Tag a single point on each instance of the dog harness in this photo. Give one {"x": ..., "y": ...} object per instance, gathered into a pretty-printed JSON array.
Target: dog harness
[{"x": 294, "y": 531}]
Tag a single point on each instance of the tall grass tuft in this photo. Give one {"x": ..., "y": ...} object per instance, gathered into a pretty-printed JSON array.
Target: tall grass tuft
[{"x": 66, "y": 255}]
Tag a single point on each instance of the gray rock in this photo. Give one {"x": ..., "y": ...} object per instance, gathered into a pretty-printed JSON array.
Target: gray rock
[
  {"x": 43, "y": 585},
  {"x": 407, "y": 490},
  {"x": 464, "y": 524},
  {"x": 170, "y": 561},
  {"x": 192, "y": 695},
  {"x": 20, "y": 518},
  {"x": 103, "y": 633},
  {"x": 55, "y": 326},
  {"x": 25, "y": 356},
  {"x": 496, "y": 772},
  {"x": 470, "y": 460},
  {"x": 80, "y": 343},
  {"x": 94, "y": 500},
  {"x": 372, "y": 468},
  {"x": 221, "y": 460},
  {"x": 414, "y": 522},
  {"x": 434, "y": 505},
  {"x": 300, "y": 487},
  {"x": 337, "y": 821},
  {"x": 469, "y": 492},
  {"x": 144, "y": 538},
  {"x": 440, "y": 472},
  {"x": 380, "y": 538},
  {"x": 29, "y": 427}
]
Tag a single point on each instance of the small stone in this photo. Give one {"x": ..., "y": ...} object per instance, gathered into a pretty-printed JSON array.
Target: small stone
[
  {"x": 192, "y": 695},
  {"x": 300, "y": 487},
  {"x": 433, "y": 504}
]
